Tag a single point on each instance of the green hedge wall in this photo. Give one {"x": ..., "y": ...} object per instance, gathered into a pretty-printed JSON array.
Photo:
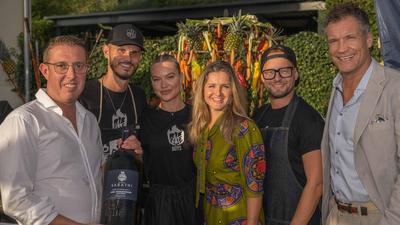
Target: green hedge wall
[{"x": 315, "y": 68}]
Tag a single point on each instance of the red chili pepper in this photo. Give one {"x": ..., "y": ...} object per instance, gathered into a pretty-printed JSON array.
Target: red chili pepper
[{"x": 239, "y": 74}]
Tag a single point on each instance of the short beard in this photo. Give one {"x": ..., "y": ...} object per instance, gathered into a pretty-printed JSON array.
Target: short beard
[
  {"x": 280, "y": 95},
  {"x": 121, "y": 76}
]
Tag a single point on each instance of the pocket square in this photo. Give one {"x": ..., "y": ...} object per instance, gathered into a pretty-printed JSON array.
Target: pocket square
[{"x": 379, "y": 118}]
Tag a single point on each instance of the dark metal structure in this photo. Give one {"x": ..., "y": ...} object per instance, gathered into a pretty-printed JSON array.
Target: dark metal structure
[{"x": 292, "y": 16}]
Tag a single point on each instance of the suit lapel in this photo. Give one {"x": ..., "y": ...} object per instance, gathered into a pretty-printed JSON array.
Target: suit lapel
[
  {"x": 371, "y": 96},
  {"x": 326, "y": 163},
  {"x": 325, "y": 138}
]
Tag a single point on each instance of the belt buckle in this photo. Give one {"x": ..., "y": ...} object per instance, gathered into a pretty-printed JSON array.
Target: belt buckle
[{"x": 348, "y": 207}]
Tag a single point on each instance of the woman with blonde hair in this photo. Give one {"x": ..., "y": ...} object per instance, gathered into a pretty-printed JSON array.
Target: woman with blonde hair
[{"x": 229, "y": 153}]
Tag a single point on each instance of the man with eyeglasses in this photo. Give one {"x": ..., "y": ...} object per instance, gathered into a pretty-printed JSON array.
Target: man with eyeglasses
[
  {"x": 112, "y": 99},
  {"x": 49, "y": 148},
  {"x": 292, "y": 132}
]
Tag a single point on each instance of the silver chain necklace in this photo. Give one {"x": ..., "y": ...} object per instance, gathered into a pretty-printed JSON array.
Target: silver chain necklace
[
  {"x": 112, "y": 102},
  {"x": 137, "y": 126}
]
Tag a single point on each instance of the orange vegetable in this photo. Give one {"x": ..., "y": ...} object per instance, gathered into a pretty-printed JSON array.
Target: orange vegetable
[
  {"x": 178, "y": 56},
  {"x": 233, "y": 57},
  {"x": 248, "y": 65},
  {"x": 256, "y": 75},
  {"x": 219, "y": 30},
  {"x": 182, "y": 66},
  {"x": 265, "y": 46},
  {"x": 238, "y": 71},
  {"x": 187, "y": 74}
]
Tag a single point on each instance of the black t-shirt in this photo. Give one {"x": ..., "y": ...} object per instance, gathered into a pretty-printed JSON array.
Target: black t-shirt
[
  {"x": 117, "y": 111},
  {"x": 305, "y": 132},
  {"x": 167, "y": 151},
  {"x": 5, "y": 109}
]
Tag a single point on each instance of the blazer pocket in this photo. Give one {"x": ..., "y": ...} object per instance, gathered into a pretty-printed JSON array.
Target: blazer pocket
[{"x": 380, "y": 125}]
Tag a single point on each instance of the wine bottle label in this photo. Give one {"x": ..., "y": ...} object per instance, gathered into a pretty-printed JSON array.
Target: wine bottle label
[{"x": 122, "y": 184}]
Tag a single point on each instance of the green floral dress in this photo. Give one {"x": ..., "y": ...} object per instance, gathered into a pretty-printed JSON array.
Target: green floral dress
[{"x": 229, "y": 173}]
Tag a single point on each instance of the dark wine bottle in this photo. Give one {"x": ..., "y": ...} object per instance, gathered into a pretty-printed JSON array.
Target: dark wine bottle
[{"x": 121, "y": 188}]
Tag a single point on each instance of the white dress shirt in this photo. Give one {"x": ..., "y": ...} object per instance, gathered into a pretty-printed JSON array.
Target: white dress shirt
[{"x": 46, "y": 168}]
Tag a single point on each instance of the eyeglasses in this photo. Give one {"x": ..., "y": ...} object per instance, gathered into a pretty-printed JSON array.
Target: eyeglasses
[
  {"x": 284, "y": 72},
  {"x": 62, "y": 67}
]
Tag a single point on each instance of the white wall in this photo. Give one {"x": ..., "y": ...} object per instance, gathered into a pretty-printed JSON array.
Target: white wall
[{"x": 11, "y": 24}]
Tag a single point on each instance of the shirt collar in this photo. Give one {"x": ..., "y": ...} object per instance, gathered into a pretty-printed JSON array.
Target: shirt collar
[
  {"x": 48, "y": 103},
  {"x": 337, "y": 82}
]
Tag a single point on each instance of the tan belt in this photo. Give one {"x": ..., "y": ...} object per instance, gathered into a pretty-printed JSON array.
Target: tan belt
[{"x": 355, "y": 208}]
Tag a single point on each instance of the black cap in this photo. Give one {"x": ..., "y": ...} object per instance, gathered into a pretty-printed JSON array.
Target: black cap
[
  {"x": 283, "y": 52},
  {"x": 126, "y": 34},
  {"x": 280, "y": 51}
]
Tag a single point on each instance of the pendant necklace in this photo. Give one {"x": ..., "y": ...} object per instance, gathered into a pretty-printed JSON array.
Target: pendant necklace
[
  {"x": 136, "y": 124},
  {"x": 112, "y": 102}
]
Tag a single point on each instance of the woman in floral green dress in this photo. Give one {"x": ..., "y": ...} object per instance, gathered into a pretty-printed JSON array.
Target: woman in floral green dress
[{"x": 229, "y": 153}]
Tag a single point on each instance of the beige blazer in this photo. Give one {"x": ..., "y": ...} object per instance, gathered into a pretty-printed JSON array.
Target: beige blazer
[{"x": 376, "y": 145}]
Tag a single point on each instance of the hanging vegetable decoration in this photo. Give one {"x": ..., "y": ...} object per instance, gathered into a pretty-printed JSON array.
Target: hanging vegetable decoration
[{"x": 239, "y": 40}]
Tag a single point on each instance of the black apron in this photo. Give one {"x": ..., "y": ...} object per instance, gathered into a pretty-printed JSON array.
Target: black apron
[
  {"x": 282, "y": 191},
  {"x": 172, "y": 205}
]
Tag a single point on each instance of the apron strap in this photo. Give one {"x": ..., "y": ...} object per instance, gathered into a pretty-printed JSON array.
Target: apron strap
[{"x": 290, "y": 111}]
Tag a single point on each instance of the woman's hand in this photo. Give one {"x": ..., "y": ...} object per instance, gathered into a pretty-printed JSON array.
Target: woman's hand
[{"x": 132, "y": 144}]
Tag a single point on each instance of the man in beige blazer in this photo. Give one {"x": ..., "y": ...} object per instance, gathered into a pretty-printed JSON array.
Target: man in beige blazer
[{"x": 361, "y": 141}]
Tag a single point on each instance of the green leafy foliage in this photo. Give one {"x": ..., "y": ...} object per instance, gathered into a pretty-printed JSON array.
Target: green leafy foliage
[
  {"x": 41, "y": 8},
  {"x": 97, "y": 61},
  {"x": 41, "y": 30},
  {"x": 315, "y": 68}
]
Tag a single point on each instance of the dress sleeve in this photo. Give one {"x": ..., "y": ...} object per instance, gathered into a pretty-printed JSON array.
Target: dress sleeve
[
  {"x": 18, "y": 165},
  {"x": 251, "y": 155}
]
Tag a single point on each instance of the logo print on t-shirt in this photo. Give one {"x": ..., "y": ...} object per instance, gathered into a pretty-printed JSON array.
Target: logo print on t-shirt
[
  {"x": 176, "y": 137},
  {"x": 110, "y": 148},
  {"x": 119, "y": 119}
]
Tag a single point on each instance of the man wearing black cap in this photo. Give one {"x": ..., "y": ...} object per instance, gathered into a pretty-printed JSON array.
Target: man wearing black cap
[
  {"x": 115, "y": 102},
  {"x": 292, "y": 132}
]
